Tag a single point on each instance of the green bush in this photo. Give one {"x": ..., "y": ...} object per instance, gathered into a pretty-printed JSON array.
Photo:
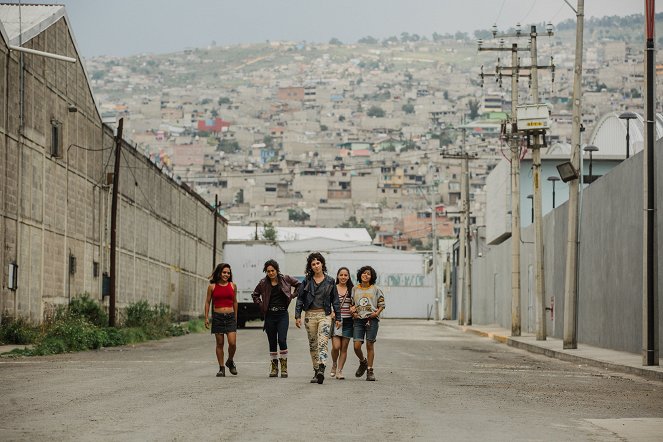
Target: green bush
[
  {"x": 72, "y": 333},
  {"x": 138, "y": 314},
  {"x": 81, "y": 326},
  {"x": 17, "y": 331},
  {"x": 196, "y": 326},
  {"x": 85, "y": 307}
]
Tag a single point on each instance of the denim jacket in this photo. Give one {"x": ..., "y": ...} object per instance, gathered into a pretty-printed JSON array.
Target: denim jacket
[
  {"x": 306, "y": 294},
  {"x": 263, "y": 291}
]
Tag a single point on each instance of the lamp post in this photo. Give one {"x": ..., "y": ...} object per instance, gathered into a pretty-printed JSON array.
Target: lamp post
[
  {"x": 628, "y": 116},
  {"x": 531, "y": 198},
  {"x": 591, "y": 150},
  {"x": 553, "y": 179}
]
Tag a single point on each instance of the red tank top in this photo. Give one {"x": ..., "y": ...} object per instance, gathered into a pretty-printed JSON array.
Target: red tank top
[{"x": 223, "y": 295}]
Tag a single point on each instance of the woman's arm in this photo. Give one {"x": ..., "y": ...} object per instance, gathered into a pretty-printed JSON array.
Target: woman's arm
[
  {"x": 257, "y": 295},
  {"x": 208, "y": 299}
]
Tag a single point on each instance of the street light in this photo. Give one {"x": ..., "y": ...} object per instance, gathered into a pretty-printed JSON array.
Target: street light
[
  {"x": 591, "y": 150},
  {"x": 553, "y": 179},
  {"x": 628, "y": 116},
  {"x": 531, "y": 198}
]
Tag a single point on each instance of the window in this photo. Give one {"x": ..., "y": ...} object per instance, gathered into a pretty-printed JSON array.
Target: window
[{"x": 56, "y": 138}]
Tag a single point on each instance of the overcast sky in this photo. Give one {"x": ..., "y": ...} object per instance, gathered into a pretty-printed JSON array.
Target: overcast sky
[{"x": 126, "y": 27}]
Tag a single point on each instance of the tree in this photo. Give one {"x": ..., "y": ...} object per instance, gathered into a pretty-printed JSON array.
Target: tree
[
  {"x": 224, "y": 100},
  {"x": 228, "y": 146},
  {"x": 268, "y": 140},
  {"x": 408, "y": 108},
  {"x": 335, "y": 41},
  {"x": 474, "y": 108},
  {"x": 353, "y": 224},
  {"x": 269, "y": 232},
  {"x": 298, "y": 215},
  {"x": 375, "y": 111},
  {"x": 368, "y": 40}
]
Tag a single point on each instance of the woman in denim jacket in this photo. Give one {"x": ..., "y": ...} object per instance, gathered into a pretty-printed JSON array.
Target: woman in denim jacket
[
  {"x": 273, "y": 294},
  {"x": 317, "y": 297}
]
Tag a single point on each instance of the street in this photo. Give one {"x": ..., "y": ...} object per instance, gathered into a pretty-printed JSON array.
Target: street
[{"x": 433, "y": 383}]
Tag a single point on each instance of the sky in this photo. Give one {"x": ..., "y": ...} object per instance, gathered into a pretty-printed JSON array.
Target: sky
[{"x": 129, "y": 27}]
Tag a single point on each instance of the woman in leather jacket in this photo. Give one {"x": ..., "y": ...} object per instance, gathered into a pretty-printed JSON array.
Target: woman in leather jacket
[
  {"x": 273, "y": 294},
  {"x": 317, "y": 296}
]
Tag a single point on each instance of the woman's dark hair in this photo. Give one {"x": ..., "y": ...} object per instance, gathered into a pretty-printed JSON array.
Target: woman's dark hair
[
  {"x": 374, "y": 275},
  {"x": 271, "y": 263},
  {"x": 349, "y": 284},
  {"x": 216, "y": 274},
  {"x": 311, "y": 257}
]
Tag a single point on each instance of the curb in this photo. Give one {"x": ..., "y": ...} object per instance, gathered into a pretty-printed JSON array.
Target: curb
[
  {"x": 561, "y": 355},
  {"x": 567, "y": 357}
]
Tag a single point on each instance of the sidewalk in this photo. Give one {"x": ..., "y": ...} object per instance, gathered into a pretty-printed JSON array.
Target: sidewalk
[{"x": 619, "y": 361}]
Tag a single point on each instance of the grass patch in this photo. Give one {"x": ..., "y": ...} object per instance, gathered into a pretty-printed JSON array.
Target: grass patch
[{"x": 82, "y": 326}]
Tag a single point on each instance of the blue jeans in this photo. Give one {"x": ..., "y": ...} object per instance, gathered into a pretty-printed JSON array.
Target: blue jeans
[
  {"x": 366, "y": 328},
  {"x": 276, "y": 327}
]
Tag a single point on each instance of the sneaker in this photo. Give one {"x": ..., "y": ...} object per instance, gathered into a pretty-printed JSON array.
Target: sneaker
[
  {"x": 332, "y": 373},
  {"x": 363, "y": 365},
  {"x": 231, "y": 366},
  {"x": 221, "y": 373},
  {"x": 369, "y": 375},
  {"x": 339, "y": 375},
  {"x": 320, "y": 375}
]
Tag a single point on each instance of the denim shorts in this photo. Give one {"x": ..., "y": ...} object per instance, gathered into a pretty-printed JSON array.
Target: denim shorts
[
  {"x": 346, "y": 329},
  {"x": 366, "y": 328}
]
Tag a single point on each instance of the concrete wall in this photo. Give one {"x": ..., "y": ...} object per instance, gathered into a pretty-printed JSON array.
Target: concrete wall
[
  {"x": 610, "y": 264},
  {"x": 53, "y": 207}
]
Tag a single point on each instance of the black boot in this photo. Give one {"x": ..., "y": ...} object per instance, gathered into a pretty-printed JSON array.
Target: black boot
[
  {"x": 315, "y": 376},
  {"x": 320, "y": 375}
]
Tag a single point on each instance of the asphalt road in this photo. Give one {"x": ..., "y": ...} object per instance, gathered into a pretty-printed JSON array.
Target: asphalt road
[{"x": 433, "y": 383}]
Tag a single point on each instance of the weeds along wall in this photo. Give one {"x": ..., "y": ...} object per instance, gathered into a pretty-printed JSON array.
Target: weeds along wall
[{"x": 55, "y": 196}]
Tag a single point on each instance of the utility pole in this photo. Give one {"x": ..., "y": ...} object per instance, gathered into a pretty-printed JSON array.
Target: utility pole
[
  {"x": 515, "y": 181},
  {"x": 113, "y": 241},
  {"x": 466, "y": 227},
  {"x": 571, "y": 279},
  {"x": 515, "y": 175},
  {"x": 465, "y": 304},
  {"x": 435, "y": 262},
  {"x": 650, "y": 344},
  {"x": 538, "y": 212},
  {"x": 447, "y": 288}
]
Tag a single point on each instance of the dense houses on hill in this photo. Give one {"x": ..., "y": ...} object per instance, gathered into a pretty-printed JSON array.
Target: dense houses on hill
[{"x": 316, "y": 134}]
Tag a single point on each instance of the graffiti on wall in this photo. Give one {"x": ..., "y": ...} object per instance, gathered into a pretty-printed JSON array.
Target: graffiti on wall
[{"x": 402, "y": 280}]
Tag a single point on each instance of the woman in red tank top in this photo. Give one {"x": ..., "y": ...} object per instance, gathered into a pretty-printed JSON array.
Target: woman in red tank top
[{"x": 222, "y": 295}]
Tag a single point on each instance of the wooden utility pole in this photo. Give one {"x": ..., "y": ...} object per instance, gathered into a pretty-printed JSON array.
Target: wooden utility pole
[{"x": 113, "y": 241}]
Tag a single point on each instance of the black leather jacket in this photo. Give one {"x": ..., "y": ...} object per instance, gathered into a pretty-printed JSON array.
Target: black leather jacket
[{"x": 306, "y": 294}]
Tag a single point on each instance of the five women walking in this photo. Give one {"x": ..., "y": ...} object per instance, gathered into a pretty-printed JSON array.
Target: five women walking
[{"x": 352, "y": 310}]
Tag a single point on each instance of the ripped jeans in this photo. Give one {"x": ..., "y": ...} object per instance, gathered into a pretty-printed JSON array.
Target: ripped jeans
[{"x": 318, "y": 328}]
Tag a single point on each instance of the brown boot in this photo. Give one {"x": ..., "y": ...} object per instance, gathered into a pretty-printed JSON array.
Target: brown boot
[
  {"x": 274, "y": 372},
  {"x": 284, "y": 367}
]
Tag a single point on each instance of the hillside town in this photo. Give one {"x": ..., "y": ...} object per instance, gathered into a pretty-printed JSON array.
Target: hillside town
[{"x": 349, "y": 135}]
